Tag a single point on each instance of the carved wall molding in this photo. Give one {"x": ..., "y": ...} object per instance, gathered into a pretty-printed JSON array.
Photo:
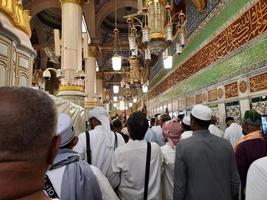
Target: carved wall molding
[
  {"x": 258, "y": 82},
  {"x": 231, "y": 90}
]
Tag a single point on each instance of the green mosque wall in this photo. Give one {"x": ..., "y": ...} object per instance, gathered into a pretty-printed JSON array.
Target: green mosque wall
[
  {"x": 248, "y": 59},
  {"x": 215, "y": 24}
]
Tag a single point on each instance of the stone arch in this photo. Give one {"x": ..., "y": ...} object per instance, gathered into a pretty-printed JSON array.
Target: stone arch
[
  {"x": 38, "y": 6},
  {"x": 108, "y": 8},
  {"x": 23, "y": 79}
]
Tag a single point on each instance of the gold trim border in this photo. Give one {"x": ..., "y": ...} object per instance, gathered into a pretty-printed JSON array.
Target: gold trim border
[
  {"x": 71, "y": 88},
  {"x": 71, "y": 1},
  {"x": 90, "y": 104},
  {"x": 18, "y": 17}
]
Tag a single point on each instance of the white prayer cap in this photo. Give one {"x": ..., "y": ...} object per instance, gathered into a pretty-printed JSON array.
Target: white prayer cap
[
  {"x": 65, "y": 129},
  {"x": 202, "y": 112},
  {"x": 186, "y": 120},
  {"x": 101, "y": 115}
]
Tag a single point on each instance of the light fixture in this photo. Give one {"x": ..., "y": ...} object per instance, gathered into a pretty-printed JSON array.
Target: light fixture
[
  {"x": 130, "y": 104},
  {"x": 135, "y": 100},
  {"x": 179, "y": 48},
  {"x": 167, "y": 59},
  {"x": 167, "y": 62},
  {"x": 116, "y": 89},
  {"x": 115, "y": 99},
  {"x": 116, "y": 62},
  {"x": 116, "y": 59},
  {"x": 157, "y": 24},
  {"x": 145, "y": 88}
]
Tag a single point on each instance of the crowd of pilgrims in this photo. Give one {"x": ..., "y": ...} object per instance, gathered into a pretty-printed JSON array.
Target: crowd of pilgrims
[{"x": 157, "y": 158}]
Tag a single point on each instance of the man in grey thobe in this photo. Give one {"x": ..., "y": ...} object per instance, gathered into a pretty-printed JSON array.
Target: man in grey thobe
[{"x": 205, "y": 167}]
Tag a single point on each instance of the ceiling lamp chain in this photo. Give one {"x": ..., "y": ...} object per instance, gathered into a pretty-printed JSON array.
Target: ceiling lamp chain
[
  {"x": 156, "y": 27},
  {"x": 116, "y": 59}
]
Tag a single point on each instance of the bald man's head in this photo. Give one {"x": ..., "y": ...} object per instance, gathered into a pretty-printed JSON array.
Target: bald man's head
[{"x": 27, "y": 123}]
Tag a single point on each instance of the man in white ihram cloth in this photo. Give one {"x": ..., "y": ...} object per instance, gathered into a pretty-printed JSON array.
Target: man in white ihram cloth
[
  {"x": 70, "y": 177},
  {"x": 102, "y": 142}
]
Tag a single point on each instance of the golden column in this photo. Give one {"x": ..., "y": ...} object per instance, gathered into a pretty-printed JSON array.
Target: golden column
[
  {"x": 90, "y": 72},
  {"x": 72, "y": 83}
]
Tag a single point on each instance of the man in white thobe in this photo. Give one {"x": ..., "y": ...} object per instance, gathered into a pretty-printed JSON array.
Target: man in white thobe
[
  {"x": 102, "y": 140},
  {"x": 234, "y": 131},
  {"x": 214, "y": 129},
  {"x": 71, "y": 177},
  {"x": 256, "y": 188},
  {"x": 172, "y": 131},
  {"x": 127, "y": 172}
]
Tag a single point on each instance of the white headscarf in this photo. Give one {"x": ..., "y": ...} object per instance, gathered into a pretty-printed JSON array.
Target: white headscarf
[{"x": 101, "y": 115}]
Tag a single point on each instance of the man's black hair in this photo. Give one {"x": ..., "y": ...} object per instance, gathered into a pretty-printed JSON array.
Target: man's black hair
[
  {"x": 117, "y": 123},
  {"x": 229, "y": 119},
  {"x": 201, "y": 123},
  {"x": 165, "y": 117},
  {"x": 137, "y": 125}
]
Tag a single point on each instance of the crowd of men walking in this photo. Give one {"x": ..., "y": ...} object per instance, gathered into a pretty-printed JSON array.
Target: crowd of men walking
[{"x": 185, "y": 158}]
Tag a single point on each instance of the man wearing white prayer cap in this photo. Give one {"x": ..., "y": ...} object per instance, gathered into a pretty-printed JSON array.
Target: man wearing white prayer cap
[
  {"x": 97, "y": 145},
  {"x": 205, "y": 166},
  {"x": 187, "y": 129},
  {"x": 70, "y": 177}
]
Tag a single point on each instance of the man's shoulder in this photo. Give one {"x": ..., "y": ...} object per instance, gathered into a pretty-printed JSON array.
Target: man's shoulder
[
  {"x": 251, "y": 143},
  {"x": 260, "y": 164},
  {"x": 196, "y": 139}
]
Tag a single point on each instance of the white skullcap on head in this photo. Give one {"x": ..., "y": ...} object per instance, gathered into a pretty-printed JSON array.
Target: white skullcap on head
[
  {"x": 186, "y": 120},
  {"x": 202, "y": 112},
  {"x": 101, "y": 115},
  {"x": 65, "y": 129}
]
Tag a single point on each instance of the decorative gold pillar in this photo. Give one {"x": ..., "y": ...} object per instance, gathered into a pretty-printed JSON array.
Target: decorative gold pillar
[
  {"x": 90, "y": 80},
  {"x": 72, "y": 83}
]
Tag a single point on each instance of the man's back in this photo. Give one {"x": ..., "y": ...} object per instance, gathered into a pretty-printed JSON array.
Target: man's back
[
  {"x": 84, "y": 171},
  {"x": 205, "y": 169},
  {"x": 102, "y": 145},
  {"x": 246, "y": 153},
  {"x": 257, "y": 180},
  {"x": 128, "y": 170}
]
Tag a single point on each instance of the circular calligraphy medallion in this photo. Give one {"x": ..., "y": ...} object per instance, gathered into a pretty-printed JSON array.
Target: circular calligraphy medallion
[{"x": 243, "y": 86}]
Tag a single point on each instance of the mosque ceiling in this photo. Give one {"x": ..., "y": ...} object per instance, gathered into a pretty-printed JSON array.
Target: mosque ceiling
[{"x": 100, "y": 26}]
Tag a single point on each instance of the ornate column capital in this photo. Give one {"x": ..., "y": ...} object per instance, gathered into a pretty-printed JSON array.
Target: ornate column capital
[
  {"x": 92, "y": 51},
  {"x": 70, "y": 1}
]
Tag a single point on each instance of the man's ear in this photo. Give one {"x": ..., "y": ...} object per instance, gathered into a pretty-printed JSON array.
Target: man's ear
[
  {"x": 53, "y": 149},
  {"x": 74, "y": 141}
]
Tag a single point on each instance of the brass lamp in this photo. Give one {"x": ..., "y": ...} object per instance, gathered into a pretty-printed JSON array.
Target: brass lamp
[{"x": 156, "y": 26}]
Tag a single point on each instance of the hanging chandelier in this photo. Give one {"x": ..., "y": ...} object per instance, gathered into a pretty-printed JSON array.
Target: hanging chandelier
[
  {"x": 116, "y": 59},
  {"x": 157, "y": 26}
]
